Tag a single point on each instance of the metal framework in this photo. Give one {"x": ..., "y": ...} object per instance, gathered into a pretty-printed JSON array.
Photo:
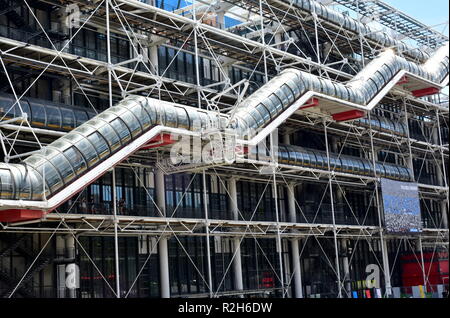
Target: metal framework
[{"x": 264, "y": 41}]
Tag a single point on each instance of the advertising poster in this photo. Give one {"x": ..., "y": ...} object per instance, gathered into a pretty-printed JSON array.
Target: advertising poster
[{"x": 401, "y": 206}]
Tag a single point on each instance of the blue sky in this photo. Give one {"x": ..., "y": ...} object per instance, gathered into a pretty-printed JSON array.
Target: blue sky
[{"x": 430, "y": 12}]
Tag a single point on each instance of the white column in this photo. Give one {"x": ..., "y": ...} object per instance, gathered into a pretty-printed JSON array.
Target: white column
[
  {"x": 70, "y": 254},
  {"x": 153, "y": 56},
  {"x": 237, "y": 262},
  {"x": 164, "y": 267},
  {"x": 296, "y": 268},
  {"x": 295, "y": 242},
  {"x": 162, "y": 245},
  {"x": 386, "y": 267}
]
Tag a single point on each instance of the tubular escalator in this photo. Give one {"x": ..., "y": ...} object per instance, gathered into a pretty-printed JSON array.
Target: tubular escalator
[
  {"x": 358, "y": 96},
  {"x": 46, "y": 179}
]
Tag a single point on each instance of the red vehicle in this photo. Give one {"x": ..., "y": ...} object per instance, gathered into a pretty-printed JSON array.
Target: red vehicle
[{"x": 436, "y": 269}]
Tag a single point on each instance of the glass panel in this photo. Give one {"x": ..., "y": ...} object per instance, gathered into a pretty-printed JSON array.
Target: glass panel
[
  {"x": 360, "y": 167},
  {"x": 38, "y": 114},
  {"x": 194, "y": 120},
  {"x": 345, "y": 165},
  {"x": 312, "y": 159},
  {"x": 284, "y": 155},
  {"x": 68, "y": 119},
  {"x": 63, "y": 166},
  {"x": 276, "y": 103},
  {"x": 84, "y": 130},
  {"x": 306, "y": 158},
  {"x": 110, "y": 135},
  {"x": 339, "y": 165},
  {"x": 121, "y": 129},
  {"x": 299, "y": 160},
  {"x": 76, "y": 159},
  {"x": 170, "y": 116},
  {"x": 88, "y": 151},
  {"x": 332, "y": 162},
  {"x": 270, "y": 106},
  {"x": 53, "y": 117},
  {"x": 51, "y": 176},
  {"x": 320, "y": 161},
  {"x": 257, "y": 116},
  {"x": 36, "y": 185},
  {"x": 141, "y": 114},
  {"x": 292, "y": 155},
  {"x": 182, "y": 118},
  {"x": 5, "y": 105},
  {"x": 282, "y": 95},
  {"x": 99, "y": 144},
  {"x": 265, "y": 114}
]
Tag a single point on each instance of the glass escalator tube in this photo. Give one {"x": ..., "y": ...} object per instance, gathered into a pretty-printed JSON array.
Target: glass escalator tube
[
  {"x": 22, "y": 184},
  {"x": 84, "y": 147},
  {"x": 46, "y": 171}
]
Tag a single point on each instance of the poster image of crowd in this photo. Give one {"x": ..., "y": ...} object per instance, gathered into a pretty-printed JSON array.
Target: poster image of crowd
[{"x": 401, "y": 206}]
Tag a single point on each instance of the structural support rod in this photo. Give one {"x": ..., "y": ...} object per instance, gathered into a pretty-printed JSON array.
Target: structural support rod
[
  {"x": 346, "y": 267},
  {"x": 237, "y": 262},
  {"x": 422, "y": 263},
  {"x": 273, "y": 140},
  {"x": 116, "y": 237},
  {"x": 208, "y": 243},
  {"x": 162, "y": 245}
]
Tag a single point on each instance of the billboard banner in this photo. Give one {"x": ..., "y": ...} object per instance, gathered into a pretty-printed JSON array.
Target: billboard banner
[{"x": 401, "y": 206}]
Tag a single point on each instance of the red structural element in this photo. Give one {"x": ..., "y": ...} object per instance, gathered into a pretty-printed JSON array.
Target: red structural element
[
  {"x": 241, "y": 149},
  {"x": 436, "y": 268},
  {"x": 403, "y": 80},
  {"x": 17, "y": 215},
  {"x": 312, "y": 102},
  {"x": 425, "y": 91},
  {"x": 348, "y": 115},
  {"x": 159, "y": 141}
]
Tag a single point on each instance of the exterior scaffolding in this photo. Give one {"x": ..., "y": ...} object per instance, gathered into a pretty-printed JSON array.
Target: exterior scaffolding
[{"x": 119, "y": 48}]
